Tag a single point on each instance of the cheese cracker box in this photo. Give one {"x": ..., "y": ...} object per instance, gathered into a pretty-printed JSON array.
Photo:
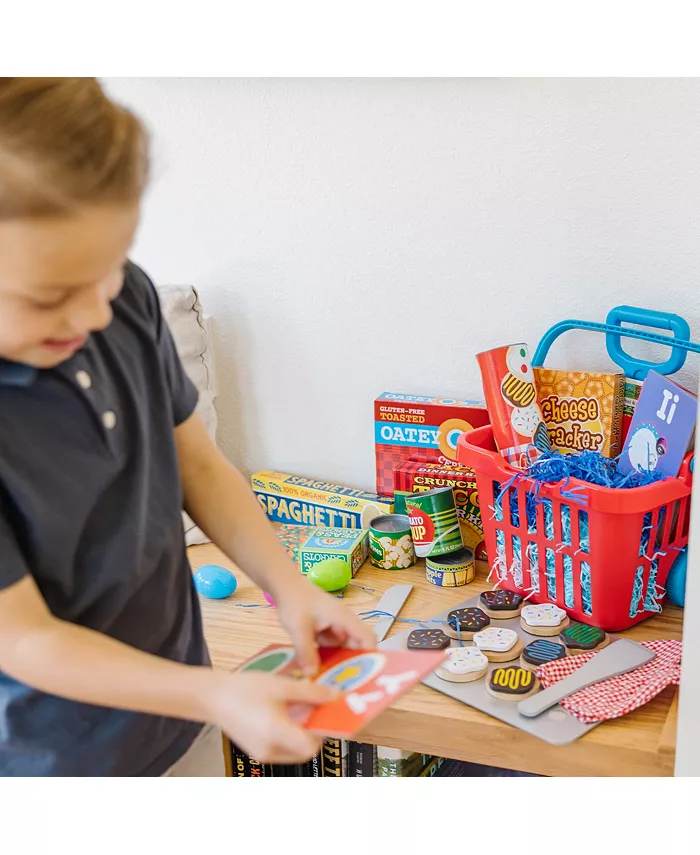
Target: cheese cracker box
[
  {"x": 582, "y": 410},
  {"x": 414, "y": 477},
  {"x": 294, "y": 500},
  {"x": 411, "y": 427},
  {"x": 350, "y": 545}
]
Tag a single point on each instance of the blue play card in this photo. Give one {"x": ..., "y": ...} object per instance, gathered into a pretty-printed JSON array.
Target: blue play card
[{"x": 662, "y": 428}]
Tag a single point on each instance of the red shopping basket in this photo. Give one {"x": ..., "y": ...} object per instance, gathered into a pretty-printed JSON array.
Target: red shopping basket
[{"x": 603, "y": 557}]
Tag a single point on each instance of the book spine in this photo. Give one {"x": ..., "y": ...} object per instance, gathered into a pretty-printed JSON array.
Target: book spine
[
  {"x": 362, "y": 760},
  {"x": 316, "y": 770},
  {"x": 332, "y": 758},
  {"x": 432, "y": 767},
  {"x": 244, "y": 766}
]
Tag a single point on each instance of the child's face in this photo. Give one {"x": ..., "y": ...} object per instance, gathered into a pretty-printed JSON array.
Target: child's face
[{"x": 58, "y": 277}]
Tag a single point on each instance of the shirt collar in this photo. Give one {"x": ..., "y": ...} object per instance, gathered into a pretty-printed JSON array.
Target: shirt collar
[{"x": 16, "y": 373}]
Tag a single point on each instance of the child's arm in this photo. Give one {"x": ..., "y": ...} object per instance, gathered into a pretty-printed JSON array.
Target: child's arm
[
  {"x": 220, "y": 501},
  {"x": 73, "y": 662}
]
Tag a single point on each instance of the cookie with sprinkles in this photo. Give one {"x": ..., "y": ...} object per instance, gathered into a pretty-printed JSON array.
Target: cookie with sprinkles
[
  {"x": 581, "y": 638},
  {"x": 501, "y": 605},
  {"x": 463, "y": 623},
  {"x": 499, "y": 645},
  {"x": 512, "y": 683},
  {"x": 543, "y": 619},
  {"x": 428, "y": 639},
  {"x": 462, "y": 665},
  {"x": 540, "y": 652}
]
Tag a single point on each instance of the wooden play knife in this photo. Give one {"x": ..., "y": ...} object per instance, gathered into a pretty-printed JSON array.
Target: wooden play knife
[{"x": 391, "y": 602}]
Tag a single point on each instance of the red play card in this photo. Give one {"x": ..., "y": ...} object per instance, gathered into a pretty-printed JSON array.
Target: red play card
[{"x": 370, "y": 681}]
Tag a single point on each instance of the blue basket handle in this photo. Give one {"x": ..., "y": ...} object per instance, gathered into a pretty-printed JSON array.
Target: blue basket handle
[{"x": 635, "y": 368}]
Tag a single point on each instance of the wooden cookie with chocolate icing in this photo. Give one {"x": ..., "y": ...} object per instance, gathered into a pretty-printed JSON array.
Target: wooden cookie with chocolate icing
[
  {"x": 581, "y": 638},
  {"x": 499, "y": 645},
  {"x": 512, "y": 683},
  {"x": 543, "y": 619},
  {"x": 463, "y": 665},
  {"x": 501, "y": 605},
  {"x": 540, "y": 652},
  {"x": 463, "y": 623},
  {"x": 428, "y": 639}
]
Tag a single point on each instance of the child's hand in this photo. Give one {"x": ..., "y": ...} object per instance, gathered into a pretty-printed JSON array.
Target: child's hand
[
  {"x": 257, "y": 711},
  {"x": 312, "y": 618}
]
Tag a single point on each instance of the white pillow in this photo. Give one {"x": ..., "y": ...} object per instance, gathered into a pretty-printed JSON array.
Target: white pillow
[{"x": 185, "y": 317}]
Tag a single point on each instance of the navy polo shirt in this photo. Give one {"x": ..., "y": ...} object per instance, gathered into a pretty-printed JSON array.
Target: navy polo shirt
[{"x": 90, "y": 506}]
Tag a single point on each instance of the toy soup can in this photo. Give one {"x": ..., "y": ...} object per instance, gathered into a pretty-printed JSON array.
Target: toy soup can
[
  {"x": 511, "y": 398},
  {"x": 390, "y": 544},
  {"x": 451, "y": 570},
  {"x": 434, "y": 524}
]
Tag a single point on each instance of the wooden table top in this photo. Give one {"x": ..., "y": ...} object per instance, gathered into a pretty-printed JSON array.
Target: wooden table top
[{"x": 642, "y": 743}]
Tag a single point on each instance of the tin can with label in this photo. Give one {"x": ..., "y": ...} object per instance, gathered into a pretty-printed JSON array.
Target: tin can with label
[
  {"x": 434, "y": 524},
  {"x": 452, "y": 570},
  {"x": 511, "y": 397},
  {"x": 390, "y": 544}
]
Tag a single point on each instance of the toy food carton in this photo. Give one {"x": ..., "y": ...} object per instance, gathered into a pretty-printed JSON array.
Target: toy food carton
[
  {"x": 411, "y": 427},
  {"x": 662, "y": 428},
  {"x": 293, "y": 537},
  {"x": 582, "y": 409},
  {"x": 294, "y": 500},
  {"x": 633, "y": 389},
  {"x": 350, "y": 545},
  {"x": 415, "y": 477}
]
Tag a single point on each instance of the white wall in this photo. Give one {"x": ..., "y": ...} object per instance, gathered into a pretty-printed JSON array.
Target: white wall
[{"x": 358, "y": 236}]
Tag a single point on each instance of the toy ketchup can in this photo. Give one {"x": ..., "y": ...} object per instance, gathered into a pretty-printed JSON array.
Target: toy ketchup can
[
  {"x": 434, "y": 524},
  {"x": 452, "y": 570},
  {"x": 390, "y": 544},
  {"x": 511, "y": 399}
]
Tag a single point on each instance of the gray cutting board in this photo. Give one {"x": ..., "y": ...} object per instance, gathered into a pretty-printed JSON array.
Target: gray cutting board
[{"x": 556, "y": 726}]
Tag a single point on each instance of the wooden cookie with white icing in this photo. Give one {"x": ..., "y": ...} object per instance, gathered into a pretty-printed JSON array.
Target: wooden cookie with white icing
[
  {"x": 499, "y": 645},
  {"x": 462, "y": 665},
  {"x": 543, "y": 619}
]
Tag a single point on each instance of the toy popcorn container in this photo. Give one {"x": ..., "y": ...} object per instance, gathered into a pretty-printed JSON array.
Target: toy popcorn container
[
  {"x": 511, "y": 398},
  {"x": 390, "y": 543}
]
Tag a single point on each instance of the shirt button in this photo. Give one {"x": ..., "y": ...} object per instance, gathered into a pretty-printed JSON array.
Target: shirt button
[
  {"x": 84, "y": 379},
  {"x": 109, "y": 419}
]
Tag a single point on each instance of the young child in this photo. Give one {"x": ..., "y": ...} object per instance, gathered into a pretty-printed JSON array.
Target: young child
[{"x": 103, "y": 665}]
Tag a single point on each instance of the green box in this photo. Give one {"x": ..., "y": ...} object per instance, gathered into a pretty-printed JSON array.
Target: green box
[{"x": 349, "y": 544}]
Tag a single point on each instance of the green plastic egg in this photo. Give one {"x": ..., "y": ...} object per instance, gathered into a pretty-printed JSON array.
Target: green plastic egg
[{"x": 331, "y": 574}]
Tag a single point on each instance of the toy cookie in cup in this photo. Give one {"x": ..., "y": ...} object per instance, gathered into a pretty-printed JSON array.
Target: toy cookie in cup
[{"x": 390, "y": 543}]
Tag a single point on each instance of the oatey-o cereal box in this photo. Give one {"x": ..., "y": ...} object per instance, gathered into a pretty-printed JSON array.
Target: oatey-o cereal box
[
  {"x": 412, "y": 427},
  {"x": 582, "y": 410}
]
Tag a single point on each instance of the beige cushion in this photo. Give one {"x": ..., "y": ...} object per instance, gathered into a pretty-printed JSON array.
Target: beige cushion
[{"x": 183, "y": 312}]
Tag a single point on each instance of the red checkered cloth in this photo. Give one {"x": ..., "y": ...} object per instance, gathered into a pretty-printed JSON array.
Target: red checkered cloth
[{"x": 619, "y": 695}]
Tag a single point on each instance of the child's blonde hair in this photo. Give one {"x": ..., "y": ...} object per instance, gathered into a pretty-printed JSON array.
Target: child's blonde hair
[{"x": 64, "y": 144}]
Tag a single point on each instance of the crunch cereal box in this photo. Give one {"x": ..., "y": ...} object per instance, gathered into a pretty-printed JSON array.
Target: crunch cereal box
[{"x": 582, "y": 409}]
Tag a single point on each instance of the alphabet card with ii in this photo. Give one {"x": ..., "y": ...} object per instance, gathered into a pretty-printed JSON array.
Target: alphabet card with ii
[
  {"x": 662, "y": 428},
  {"x": 369, "y": 682}
]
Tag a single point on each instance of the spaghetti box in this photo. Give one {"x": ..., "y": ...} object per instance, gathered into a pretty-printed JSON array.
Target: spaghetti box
[
  {"x": 350, "y": 545},
  {"x": 662, "y": 428},
  {"x": 582, "y": 410},
  {"x": 294, "y": 500},
  {"x": 412, "y": 427},
  {"x": 415, "y": 477}
]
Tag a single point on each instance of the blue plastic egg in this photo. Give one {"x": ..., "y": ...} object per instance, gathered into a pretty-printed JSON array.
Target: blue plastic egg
[
  {"x": 214, "y": 582},
  {"x": 675, "y": 584}
]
